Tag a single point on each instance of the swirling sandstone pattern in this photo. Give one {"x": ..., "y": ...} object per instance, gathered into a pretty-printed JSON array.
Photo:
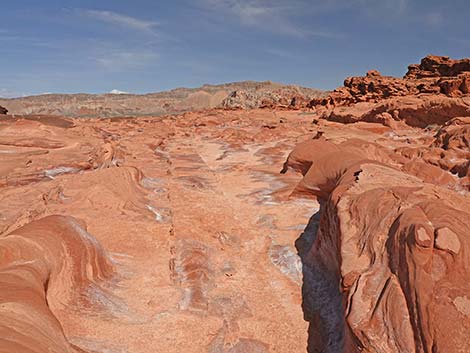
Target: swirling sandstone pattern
[
  {"x": 179, "y": 234},
  {"x": 49, "y": 262},
  {"x": 195, "y": 254}
]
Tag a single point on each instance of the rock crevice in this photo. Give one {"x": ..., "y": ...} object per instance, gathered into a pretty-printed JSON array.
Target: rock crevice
[{"x": 395, "y": 249}]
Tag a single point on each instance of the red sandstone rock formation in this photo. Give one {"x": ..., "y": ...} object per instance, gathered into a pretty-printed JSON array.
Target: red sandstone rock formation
[
  {"x": 188, "y": 210},
  {"x": 388, "y": 266},
  {"x": 292, "y": 97},
  {"x": 449, "y": 150},
  {"x": 199, "y": 228},
  {"x": 438, "y": 66},
  {"x": 430, "y": 93},
  {"x": 48, "y": 263},
  {"x": 455, "y": 134}
]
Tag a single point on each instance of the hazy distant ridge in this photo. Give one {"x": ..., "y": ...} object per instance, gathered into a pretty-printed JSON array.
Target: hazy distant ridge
[{"x": 168, "y": 102}]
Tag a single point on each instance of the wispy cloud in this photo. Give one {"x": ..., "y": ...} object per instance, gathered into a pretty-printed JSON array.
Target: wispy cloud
[
  {"x": 123, "y": 21},
  {"x": 284, "y": 54},
  {"x": 399, "y": 12},
  {"x": 273, "y": 16},
  {"x": 434, "y": 19},
  {"x": 8, "y": 93},
  {"x": 125, "y": 60},
  {"x": 389, "y": 7},
  {"x": 115, "y": 55}
]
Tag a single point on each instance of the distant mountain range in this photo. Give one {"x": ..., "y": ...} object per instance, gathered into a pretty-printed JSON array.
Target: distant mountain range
[{"x": 246, "y": 94}]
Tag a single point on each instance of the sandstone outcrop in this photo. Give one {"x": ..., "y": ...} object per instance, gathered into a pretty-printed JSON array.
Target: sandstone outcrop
[
  {"x": 48, "y": 263},
  {"x": 432, "y": 92},
  {"x": 448, "y": 150},
  {"x": 438, "y": 66},
  {"x": 194, "y": 242},
  {"x": 292, "y": 97},
  {"x": 188, "y": 214},
  {"x": 455, "y": 134},
  {"x": 387, "y": 269}
]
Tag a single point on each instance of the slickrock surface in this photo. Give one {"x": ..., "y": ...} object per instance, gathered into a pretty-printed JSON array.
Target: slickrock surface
[
  {"x": 246, "y": 94},
  {"x": 188, "y": 245},
  {"x": 338, "y": 229},
  {"x": 179, "y": 234}
]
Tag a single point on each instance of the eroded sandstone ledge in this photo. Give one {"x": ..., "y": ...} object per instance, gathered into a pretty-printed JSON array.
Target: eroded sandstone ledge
[
  {"x": 387, "y": 269},
  {"x": 432, "y": 92}
]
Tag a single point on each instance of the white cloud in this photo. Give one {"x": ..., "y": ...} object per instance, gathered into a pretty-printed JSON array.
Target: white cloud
[
  {"x": 434, "y": 18},
  {"x": 7, "y": 93},
  {"x": 284, "y": 54},
  {"x": 115, "y": 61},
  {"x": 397, "y": 12},
  {"x": 123, "y": 20},
  {"x": 252, "y": 13},
  {"x": 274, "y": 15},
  {"x": 381, "y": 10}
]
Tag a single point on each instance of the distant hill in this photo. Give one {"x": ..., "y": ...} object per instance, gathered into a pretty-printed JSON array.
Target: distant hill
[{"x": 178, "y": 100}]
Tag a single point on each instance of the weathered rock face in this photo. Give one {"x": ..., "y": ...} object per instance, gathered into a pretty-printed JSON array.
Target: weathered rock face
[
  {"x": 434, "y": 75},
  {"x": 442, "y": 160},
  {"x": 418, "y": 111},
  {"x": 448, "y": 150},
  {"x": 292, "y": 97},
  {"x": 430, "y": 93},
  {"x": 387, "y": 270},
  {"x": 372, "y": 87},
  {"x": 455, "y": 134},
  {"x": 438, "y": 66}
]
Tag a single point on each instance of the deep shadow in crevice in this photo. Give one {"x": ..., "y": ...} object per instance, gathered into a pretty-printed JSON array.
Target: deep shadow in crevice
[{"x": 321, "y": 299}]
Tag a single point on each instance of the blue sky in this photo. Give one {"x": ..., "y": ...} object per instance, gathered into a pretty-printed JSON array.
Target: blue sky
[{"x": 149, "y": 45}]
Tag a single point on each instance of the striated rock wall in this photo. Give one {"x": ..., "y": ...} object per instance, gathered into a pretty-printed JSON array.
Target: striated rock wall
[{"x": 388, "y": 267}]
